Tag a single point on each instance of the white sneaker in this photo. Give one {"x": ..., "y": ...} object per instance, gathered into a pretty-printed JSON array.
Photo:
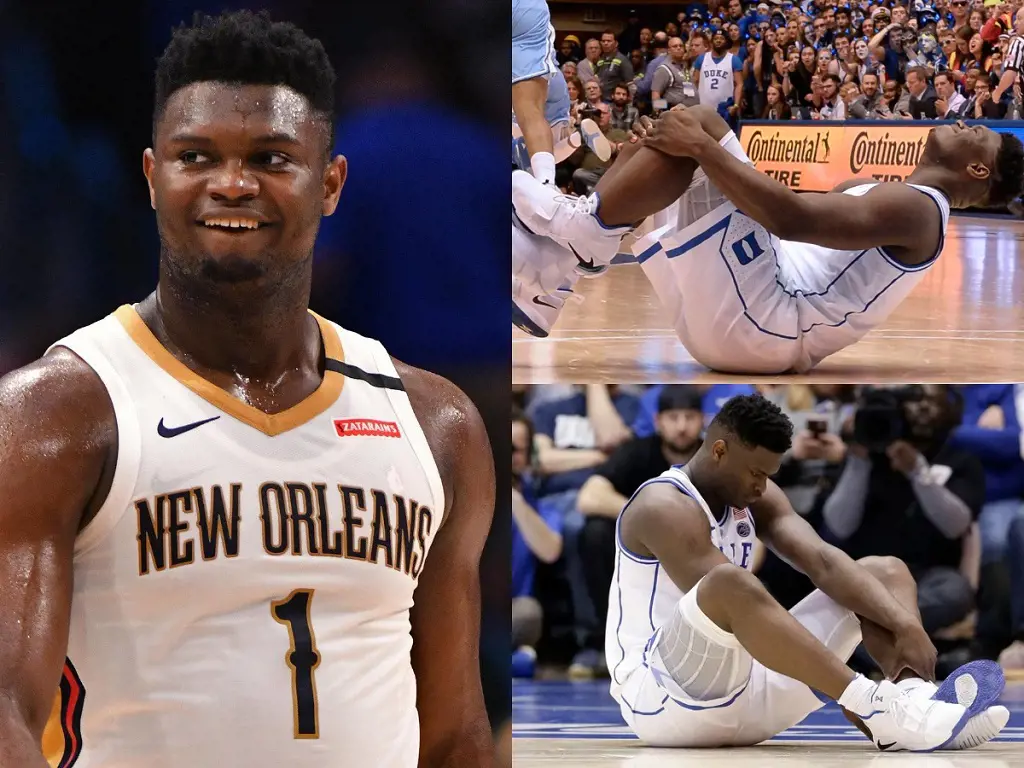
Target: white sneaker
[
  {"x": 974, "y": 685},
  {"x": 568, "y": 221},
  {"x": 595, "y": 140},
  {"x": 905, "y": 722},
  {"x": 536, "y": 314}
]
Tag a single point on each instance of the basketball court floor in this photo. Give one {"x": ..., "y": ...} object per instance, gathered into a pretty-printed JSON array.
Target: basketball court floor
[
  {"x": 573, "y": 725},
  {"x": 963, "y": 323}
]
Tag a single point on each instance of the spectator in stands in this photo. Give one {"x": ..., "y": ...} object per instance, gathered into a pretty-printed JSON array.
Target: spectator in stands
[
  {"x": 718, "y": 76},
  {"x": 591, "y": 167},
  {"x": 769, "y": 61},
  {"x": 568, "y": 50},
  {"x": 592, "y": 94},
  {"x": 870, "y": 105},
  {"x": 991, "y": 430},
  {"x": 574, "y": 435},
  {"x": 569, "y": 70},
  {"x": 832, "y": 106},
  {"x": 673, "y": 79},
  {"x": 586, "y": 68},
  {"x": 982, "y": 105},
  {"x": 775, "y": 107},
  {"x": 623, "y": 114},
  {"x": 897, "y": 98},
  {"x": 534, "y": 538},
  {"x": 796, "y": 81},
  {"x": 950, "y": 102},
  {"x": 905, "y": 491},
  {"x": 679, "y": 424},
  {"x": 922, "y": 94},
  {"x": 659, "y": 46},
  {"x": 613, "y": 67}
]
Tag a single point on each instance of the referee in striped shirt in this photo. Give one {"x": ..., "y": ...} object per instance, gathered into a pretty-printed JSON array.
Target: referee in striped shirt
[{"x": 1013, "y": 62}]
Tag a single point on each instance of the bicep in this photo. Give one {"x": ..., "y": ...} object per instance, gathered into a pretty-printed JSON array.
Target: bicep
[
  {"x": 445, "y": 617},
  {"x": 674, "y": 529},
  {"x": 48, "y": 472}
]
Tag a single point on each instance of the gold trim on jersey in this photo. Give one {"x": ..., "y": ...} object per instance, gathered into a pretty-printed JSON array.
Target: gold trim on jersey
[{"x": 268, "y": 423}]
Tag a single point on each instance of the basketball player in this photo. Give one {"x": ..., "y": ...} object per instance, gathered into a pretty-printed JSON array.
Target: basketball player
[
  {"x": 756, "y": 277},
  {"x": 233, "y": 532},
  {"x": 701, "y": 655},
  {"x": 540, "y": 97}
]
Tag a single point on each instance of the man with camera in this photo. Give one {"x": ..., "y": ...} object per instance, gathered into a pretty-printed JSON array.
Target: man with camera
[{"x": 905, "y": 492}]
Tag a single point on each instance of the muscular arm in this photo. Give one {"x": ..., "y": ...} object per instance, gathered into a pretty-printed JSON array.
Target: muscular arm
[
  {"x": 831, "y": 570},
  {"x": 890, "y": 215},
  {"x": 665, "y": 523},
  {"x": 445, "y": 616},
  {"x": 57, "y": 431}
]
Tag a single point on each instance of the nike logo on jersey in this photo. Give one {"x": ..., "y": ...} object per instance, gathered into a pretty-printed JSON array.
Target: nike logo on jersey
[
  {"x": 537, "y": 300},
  {"x": 175, "y": 431}
]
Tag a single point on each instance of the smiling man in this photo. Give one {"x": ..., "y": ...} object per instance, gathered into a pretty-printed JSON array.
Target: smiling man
[{"x": 232, "y": 532}]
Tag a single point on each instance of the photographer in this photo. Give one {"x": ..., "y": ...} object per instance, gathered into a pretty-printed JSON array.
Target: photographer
[{"x": 904, "y": 492}]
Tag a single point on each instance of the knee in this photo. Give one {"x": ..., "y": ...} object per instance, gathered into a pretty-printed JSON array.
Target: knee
[
  {"x": 891, "y": 571},
  {"x": 729, "y": 580}
]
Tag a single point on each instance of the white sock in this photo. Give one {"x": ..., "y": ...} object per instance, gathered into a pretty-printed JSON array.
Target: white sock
[
  {"x": 857, "y": 696},
  {"x": 543, "y": 166}
]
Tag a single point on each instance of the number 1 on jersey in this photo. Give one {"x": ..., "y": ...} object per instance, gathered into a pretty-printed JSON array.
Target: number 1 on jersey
[{"x": 302, "y": 658}]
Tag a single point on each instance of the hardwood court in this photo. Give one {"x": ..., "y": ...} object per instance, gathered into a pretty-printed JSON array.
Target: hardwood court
[
  {"x": 963, "y": 323},
  {"x": 573, "y": 725}
]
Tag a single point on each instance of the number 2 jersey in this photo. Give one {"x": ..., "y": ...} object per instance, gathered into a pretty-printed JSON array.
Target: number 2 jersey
[{"x": 242, "y": 597}]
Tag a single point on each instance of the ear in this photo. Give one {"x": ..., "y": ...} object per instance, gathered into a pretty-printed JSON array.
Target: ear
[
  {"x": 978, "y": 171},
  {"x": 334, "y": 180},
  {"x": 148, "y": 164}
]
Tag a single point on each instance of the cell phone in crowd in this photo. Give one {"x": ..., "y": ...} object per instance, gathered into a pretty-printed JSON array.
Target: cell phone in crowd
[
  {"x": 660, "y": 105},
  {"x": 817, "y": 426}
]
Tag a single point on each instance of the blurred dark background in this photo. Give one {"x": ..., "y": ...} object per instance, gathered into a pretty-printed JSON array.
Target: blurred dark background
[{"x": 416, "y": 254}]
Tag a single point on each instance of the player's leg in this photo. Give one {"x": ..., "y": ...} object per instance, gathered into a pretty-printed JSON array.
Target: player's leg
[
  {"x": 736, "y": 602},
  {"x": 532, "y": 67},
  {"x": 986, "y": 721}
]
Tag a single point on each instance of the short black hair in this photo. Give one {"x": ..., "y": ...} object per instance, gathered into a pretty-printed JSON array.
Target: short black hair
[
  {"x": 757, "y": 422},
  {"x": 1008, "y": 175},
  {"x": 246, "y": 48}
]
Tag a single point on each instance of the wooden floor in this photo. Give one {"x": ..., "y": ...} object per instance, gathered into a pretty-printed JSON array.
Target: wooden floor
[{"x": 963, "y": 323}]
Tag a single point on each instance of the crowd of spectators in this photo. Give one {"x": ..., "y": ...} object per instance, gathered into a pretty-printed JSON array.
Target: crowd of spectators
[
  {"x": 810, "y": 60},
  {"x": 931, "y": 474}
]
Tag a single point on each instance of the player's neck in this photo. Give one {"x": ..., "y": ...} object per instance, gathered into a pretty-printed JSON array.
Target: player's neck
[
  {"x": 258, "y": 339},
  {"x": 928, "y": 175},
  {"x": 699, "y": 471}
]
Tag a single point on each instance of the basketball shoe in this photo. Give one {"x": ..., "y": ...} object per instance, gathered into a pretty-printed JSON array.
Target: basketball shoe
[
  {"x": 570, "y": 221},
  {"x": 976, "y": 685},
  {"x": 899, "y": 721},
  {"x": 535, "y": 313}
]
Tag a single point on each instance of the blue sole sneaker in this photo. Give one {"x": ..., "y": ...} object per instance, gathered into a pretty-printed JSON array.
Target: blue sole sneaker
[{"x": 976, "y": 685}]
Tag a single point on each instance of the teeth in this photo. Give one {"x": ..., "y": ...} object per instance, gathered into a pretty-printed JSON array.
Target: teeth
[{"x": 232, "y": 223}]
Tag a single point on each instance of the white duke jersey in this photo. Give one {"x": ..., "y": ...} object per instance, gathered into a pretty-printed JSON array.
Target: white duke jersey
[
  {"x": 242, "y": 597},
  {"x": 716, "y": 84},
  {"x": 643, "y": 597},
  {"x": 844, "y": 293}
]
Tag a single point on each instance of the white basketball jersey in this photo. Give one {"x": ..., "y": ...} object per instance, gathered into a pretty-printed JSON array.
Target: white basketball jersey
[
  {"x": 642, "y": 597},
  {"x": 242, "y": 597},
  {"x": 844, "y": 293},
  {"x": 716, "y": 80}
]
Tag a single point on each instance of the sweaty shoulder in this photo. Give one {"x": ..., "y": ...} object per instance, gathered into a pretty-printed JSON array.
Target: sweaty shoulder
[
  {"x": 656, "y": 505},
  {"x": 57, "y": 427},
  {"x": 450, "y": 422}
]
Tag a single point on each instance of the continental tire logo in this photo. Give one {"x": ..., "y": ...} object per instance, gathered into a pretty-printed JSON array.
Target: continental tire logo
[
  {"x": 884, "y": 150},
  {"x": 776, "y": 147}
]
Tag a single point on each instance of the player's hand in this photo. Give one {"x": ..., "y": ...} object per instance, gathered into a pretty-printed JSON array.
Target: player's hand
[
  {"x": 677, "y": 133},
  {"x": 914, "y": 651},
  {"x": 641, "y": 126},
  {"x": 903, "y": 456}
]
